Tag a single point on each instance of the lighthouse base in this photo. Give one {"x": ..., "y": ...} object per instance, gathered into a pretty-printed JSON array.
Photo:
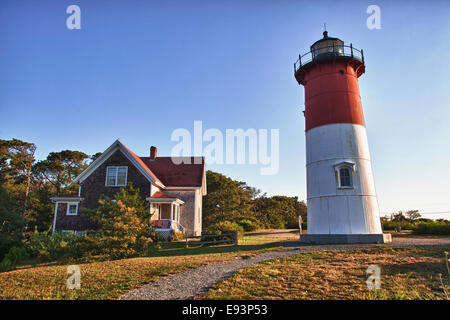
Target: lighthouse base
[{"x": 345, "y": 238}]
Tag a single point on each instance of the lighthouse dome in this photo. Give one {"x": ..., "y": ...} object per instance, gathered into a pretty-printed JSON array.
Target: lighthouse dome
[{"x": 327, "y": 47}]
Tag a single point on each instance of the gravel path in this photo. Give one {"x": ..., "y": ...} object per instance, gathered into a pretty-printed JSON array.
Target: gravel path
[{"x": 191, "y": 283}]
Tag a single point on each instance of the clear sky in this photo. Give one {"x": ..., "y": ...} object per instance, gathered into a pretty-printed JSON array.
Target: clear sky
[{"x": 138, "y": 70}]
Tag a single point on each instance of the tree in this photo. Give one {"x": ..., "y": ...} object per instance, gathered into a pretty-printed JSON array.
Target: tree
[
  {"x": 235, "y": 201},
  {"x": 123, "y": 225},
  {"x": 60, "y": 168},
  {"x": 412, "y": 215},
  {"x": 10, "y": 222},
  {"x": 398, "y": 216},
  {"x": 95, "y": 156},
  {"x": 17, "y": 158},
  {"x": 227, "y": 200},
  {"x": 280, "y": 211}
]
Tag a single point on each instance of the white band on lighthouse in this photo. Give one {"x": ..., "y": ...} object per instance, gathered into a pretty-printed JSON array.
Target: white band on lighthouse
[{"x": 334, "y": 208}]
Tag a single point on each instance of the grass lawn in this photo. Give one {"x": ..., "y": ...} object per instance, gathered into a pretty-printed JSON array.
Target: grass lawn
[
  {"x": 406, "y": 273},
  {"x": 248, "y": 242},
  {"x": 110, "y": 279}
]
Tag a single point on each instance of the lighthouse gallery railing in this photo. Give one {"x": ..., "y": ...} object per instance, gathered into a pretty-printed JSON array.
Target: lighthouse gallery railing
[{"x": 338, "y": 50}]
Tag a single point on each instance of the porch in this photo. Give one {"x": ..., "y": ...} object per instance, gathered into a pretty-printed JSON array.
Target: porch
[{"x": 166, "y": 212}]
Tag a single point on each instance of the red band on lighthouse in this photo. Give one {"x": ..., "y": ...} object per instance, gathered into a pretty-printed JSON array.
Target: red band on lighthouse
[{"x": 332, "y": 94}]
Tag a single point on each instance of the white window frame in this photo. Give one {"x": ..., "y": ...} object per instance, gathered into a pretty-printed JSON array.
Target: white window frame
[
  {"x": 75, "y": 232},
  {"x": 68, "y": 213},
  {"x": 351, "y": 168},
  {"x": 117, "y": 174}
]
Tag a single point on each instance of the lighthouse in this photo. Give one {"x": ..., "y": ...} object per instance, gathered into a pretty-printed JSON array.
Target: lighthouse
[{"x": 342, "y": 204}]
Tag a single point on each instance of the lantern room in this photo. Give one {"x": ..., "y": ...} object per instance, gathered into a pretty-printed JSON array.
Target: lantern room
[{"x": 327, "y": 47}]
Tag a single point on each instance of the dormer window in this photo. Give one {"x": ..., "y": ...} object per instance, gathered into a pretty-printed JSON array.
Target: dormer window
[
  {"x": 116, "y": 176},
  {"x": 344, "y": 174}
]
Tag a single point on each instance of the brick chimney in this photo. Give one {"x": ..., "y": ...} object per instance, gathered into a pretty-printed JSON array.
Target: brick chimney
[{"x": 153, "y": 152}]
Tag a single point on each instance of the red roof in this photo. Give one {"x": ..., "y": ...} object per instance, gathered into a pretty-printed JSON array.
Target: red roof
[
  {"x": 138, "y": 159},
  {"x": 187, "y": 174},
  {"x": 160, "y": 194}
]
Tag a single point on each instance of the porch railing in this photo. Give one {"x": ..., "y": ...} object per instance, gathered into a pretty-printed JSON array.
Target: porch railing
[
  {"x": 168, "y": 224},
  {"x": 179, "y": 227},
  {"x": 162, "y": 224}
]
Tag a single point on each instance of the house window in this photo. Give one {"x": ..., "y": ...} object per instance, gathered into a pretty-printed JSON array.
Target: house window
[
  {"x": 72, "y": 209},
  {"x": 116, "y": 176}
]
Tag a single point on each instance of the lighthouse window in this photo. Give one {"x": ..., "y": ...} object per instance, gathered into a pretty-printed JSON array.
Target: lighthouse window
[{"x": 345, "y": 177}]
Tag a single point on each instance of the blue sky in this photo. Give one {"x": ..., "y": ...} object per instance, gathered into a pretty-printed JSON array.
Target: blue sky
[{"x": 138, "y": 70}]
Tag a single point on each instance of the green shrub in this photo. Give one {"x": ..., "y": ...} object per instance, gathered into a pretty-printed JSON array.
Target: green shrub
[
  {"x": 433, "y": 228},
  {"x": 177, "y": 236},
  {"x": 123, "y": 226},
  {"x": 6, "y": 265},
  {"x": 51, "y": 247},
  {"x": 6, "y": 244},
  {"x": 224, "y": 227},
  {"x": 391, "y": 225},
  {"x": 248, "y": 225},
  {"x": 17, "y": 254},
  {"x": 14, "y": 256}
]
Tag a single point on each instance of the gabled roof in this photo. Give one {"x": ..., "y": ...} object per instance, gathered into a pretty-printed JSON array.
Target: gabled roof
[
  {"x": 139, "y": 160},
  {"x": 117, "y": 145},
  {"x": 186, "y": 174},
  {"x": 162, "y": 170}
]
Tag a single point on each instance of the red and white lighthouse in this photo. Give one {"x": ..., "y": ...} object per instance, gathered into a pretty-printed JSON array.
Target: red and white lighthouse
[{"x": 342, "y": 203}]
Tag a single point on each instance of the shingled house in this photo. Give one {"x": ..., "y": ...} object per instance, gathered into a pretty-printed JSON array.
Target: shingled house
[{"x": 173, "y": 186}]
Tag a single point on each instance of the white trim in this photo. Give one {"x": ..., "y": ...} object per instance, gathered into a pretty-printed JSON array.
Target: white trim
[
  {"x": 76, "y": 232},
  {"x": 66, "y": 199},
  {"x": 165, "y": 200},
  {"x": 345, "y": 165},
  {"x": 54, "y": 218},
  {"x": 117, "y": 176},
  {"x": 195, "y": 222},
  {"x": 68, "y": 206},
  {"x": 183, "y": 188},
  {"x": 204, "y": 191}
]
